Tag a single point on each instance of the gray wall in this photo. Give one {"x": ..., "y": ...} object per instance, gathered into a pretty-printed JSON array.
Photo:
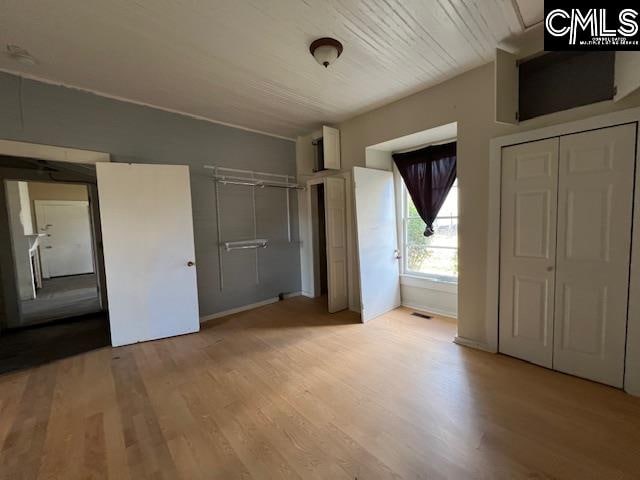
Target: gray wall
[{"x": 31, "y": 111}]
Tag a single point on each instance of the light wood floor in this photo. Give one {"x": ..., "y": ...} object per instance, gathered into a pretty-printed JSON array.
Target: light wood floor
[{"x": 287, "y": 391}]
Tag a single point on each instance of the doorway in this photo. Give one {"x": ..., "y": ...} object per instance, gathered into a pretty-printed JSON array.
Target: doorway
[
  {"x": 53, "y": 300},
  {"x": 52, "y": 246},
  {"x": 322, "y": 241}
]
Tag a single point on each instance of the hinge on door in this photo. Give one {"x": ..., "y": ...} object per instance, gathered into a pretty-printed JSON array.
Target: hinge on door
[
  {"x": 517, "y": 116},
  {"x": 615, "y": 90}
]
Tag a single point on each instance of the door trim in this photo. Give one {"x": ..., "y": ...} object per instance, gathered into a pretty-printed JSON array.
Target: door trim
[{"x": 630, "y": 116}]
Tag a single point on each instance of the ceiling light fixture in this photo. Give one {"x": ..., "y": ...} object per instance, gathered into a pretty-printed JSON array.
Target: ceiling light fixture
[
  {"x": 325, "y": 50},
  {"x": 21, "y": 55}
]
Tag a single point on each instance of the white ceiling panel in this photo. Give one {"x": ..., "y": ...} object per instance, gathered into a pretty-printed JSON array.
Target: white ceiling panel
[
  {"x": 531, "y": 11},
  {"x": 246, "y": 62}
]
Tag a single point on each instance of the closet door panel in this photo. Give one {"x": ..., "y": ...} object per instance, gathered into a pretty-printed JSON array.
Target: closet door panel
[
  {"x": 527, "y": 253},
  {"x": 595, "y": 197}
]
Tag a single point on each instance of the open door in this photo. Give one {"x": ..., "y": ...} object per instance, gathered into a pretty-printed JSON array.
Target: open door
[
  {"x": 336, "y": 228},
  {"x": 147, "y": 231},
  {"x": 377, "y": 241},
  {"x": 506, "y": 87}
]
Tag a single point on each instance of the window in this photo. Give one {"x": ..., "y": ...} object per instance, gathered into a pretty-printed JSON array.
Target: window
[{"x": 435, "y": 256}]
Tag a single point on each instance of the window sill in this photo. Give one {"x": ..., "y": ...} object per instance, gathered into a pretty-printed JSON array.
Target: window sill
[{"x": 432, "y": 283}]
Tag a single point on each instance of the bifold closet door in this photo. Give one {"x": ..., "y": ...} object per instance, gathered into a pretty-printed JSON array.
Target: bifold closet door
[
  {"x": 595, "y": 201},
  {"x": 336, "y": 236},
  {"x": 527, "y": 253}
]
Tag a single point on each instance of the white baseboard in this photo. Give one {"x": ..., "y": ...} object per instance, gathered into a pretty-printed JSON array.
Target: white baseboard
[
  {"x": 435, "y": 311},
  {"x": 292, "y": 294},
  {"x": 632, "y": 391},
  {"x": 466, "y": 342},
  {"x": 251, "y": 306}
]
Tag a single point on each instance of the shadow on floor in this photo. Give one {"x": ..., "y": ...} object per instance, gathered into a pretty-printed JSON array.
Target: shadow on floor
[{"x": 31, "y": 346}]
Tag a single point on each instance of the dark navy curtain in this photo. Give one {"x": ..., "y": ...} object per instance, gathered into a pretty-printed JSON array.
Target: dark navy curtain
[{"x": 428, "y": 174}]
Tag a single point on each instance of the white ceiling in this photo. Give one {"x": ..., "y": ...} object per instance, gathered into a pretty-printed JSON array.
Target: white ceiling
[
  {"x": 531, "y": 11},
  {"x": 246, "y": 62}
]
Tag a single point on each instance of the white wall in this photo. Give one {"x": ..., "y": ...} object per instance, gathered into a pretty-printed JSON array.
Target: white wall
[
  {"x": 21, "y": 225},
  {"x": 430, "y": 296},
  {"x": 378, "y": 159},
  {"x": 469, "y": 100}
]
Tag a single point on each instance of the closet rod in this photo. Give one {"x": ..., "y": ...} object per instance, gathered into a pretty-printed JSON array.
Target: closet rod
[
  {"x": 256, "y": 183},
  {"x": 250, "y": 172},
  {"x": 245, "y": 244},
  {"x": 250, "y": 178}
]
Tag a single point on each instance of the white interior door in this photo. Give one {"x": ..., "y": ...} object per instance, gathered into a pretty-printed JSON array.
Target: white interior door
[
  {"x": 336, "y": 238},
  {"x": 527, "y": 253},
  {"x": 595, "y": 201},
  {"x": 377, "y": 242},
  {"x": 67, "y": 247},
  {"x": 147, "y": 230}
]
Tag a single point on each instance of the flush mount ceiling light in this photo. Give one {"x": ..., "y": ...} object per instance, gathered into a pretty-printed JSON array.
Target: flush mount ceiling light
[
  {"x": 325, "y": 50},
  {"x": 21, "y": 55}
]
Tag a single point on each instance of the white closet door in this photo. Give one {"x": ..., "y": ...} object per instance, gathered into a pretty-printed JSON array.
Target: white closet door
[
  {"x": 527, "y": 254},
  {"x": 336, "y": 232},
  {"x": 595, "y": 199}
]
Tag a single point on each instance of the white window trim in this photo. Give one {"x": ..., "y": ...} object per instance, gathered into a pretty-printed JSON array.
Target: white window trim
[{"x": 402, "y": 240}]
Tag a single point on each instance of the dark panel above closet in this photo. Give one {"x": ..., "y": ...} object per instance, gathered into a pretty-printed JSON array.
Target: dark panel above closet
[{"x": 559, "y": 81}]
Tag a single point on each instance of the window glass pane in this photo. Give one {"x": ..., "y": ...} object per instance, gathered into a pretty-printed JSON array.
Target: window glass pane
[
  {"x": 450, "y": 206},
  {"x": 411, "y": 208},
  {"x": 415, "y": 231},
  {"x": 437, "y": 254},
  {"x": 432, "y": 261},
  {"x": 445, "y": 233}
]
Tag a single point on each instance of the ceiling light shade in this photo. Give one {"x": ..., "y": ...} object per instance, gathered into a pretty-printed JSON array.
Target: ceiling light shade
[
  {"x": 325, "y": 50},
  {"x": 20, "y": 54}
]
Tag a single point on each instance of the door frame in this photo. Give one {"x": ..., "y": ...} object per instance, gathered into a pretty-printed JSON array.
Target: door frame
[
  {"x": 38, "y": 204},
  {"x": 632, "y": 358}
]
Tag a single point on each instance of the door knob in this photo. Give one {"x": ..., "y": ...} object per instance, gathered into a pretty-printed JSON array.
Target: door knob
[
  {"x": 549, "y": 269},
  {"x": 190, "y": 263}
]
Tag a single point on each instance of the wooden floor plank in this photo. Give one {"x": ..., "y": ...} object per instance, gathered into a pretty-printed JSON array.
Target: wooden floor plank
[{"x": 289, "y": 391}]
